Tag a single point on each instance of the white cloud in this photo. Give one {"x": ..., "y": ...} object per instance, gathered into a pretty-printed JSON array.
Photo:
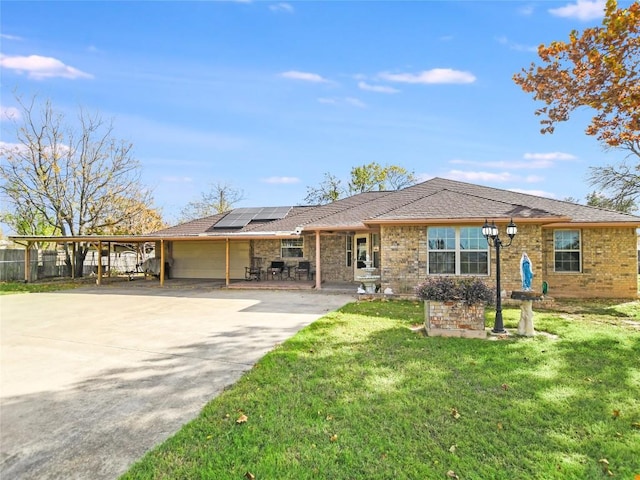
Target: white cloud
[
  {"x": 550, "y": 156},
  {"x": 377, "y": 88},
  {"x": 582, "y": 10},
  {"x": 537, "y": 193},
  {"x": 353, "y": 102},
  {"x": 6, "y": 146},
  {"x": 14, "y": 38},
  {"x": 516, "y": 46},
  {"x": 281, "y": 180},
  {"x": 9, "y": 113},
  {"x": 481, "y": 176},
  {"x": 435, "y": 75},
  {"x": 38, "y": 67},
  {"x": 281, "y": 7},
  {"x": 58, "y": 150},
  {"x": 304, "y": 76}
]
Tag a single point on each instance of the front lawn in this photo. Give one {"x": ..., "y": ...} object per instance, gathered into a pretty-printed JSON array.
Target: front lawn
[
  {"x": 7, "y": 288},
  {"x": 359, "y": 395}
]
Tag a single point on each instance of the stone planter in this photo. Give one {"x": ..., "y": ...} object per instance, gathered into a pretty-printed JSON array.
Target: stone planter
[{"x": 454, "y": 319}]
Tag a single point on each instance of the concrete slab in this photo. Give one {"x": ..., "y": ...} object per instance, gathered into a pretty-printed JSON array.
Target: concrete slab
[{"x": 91, "y": 379}]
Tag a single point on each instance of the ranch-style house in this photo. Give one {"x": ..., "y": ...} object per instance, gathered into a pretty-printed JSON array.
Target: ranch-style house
[{"x": 432, "y": 228}]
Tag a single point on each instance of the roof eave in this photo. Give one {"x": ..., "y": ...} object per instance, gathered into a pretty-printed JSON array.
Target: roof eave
[
  {"x": 465, "y": 220},
  {"x": 592, "y": 224}
]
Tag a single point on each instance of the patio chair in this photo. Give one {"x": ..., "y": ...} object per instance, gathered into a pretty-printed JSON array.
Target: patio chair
[
  {"x": 254, "y": 272},
  {"x": 303, "y": 268},
  {"x": 275, "y": 270}
]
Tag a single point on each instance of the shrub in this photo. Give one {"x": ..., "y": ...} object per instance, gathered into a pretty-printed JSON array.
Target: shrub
[{"x": 448, "y": 289}]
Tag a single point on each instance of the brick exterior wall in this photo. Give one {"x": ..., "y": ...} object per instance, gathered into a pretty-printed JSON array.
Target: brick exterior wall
[
  {"x": 609, "y": 265},
  {"x": 609, "y": 261},
  {"x": 333, "y": 255},
  {"x": 332, "y": 250}
]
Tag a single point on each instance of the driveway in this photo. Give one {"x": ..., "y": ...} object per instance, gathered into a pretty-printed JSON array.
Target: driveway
[{"x": 91, "y": 379}]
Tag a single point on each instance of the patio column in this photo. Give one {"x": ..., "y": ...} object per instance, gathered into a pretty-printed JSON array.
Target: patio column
[
  {"x": 318, "y": 269},
  {"x": 73, "y": 259},
  {"x": 99, "y": 280},
  {"x": 109, "y": 258},
  {"x": 27, "y": 263},
  {"x": 227, "y": 273},
  {"x": 162, "y": 263}
]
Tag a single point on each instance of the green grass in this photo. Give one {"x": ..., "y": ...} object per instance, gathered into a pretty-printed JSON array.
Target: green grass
[
  {"x": 359, "y": 395},
  {"x": 7, "y": 288}
]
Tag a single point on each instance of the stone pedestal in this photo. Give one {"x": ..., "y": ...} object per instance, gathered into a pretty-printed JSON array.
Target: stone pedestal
[{"x": 525, "y": 327}]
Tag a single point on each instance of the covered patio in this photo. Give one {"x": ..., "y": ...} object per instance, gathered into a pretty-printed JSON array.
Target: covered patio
[{"x": 163, "y": 244}]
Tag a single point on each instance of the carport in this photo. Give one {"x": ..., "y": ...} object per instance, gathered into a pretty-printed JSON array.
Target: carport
[{"x": 161, "y": 241}]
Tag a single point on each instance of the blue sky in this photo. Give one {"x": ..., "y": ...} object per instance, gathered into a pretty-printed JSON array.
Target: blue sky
[{"x": 270, "y": 96}]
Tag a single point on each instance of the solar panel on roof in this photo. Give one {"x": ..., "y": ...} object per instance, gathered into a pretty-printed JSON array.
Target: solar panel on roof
[
  {"x": 272, "y": 213},
  {"x": 241, "y": 217}
]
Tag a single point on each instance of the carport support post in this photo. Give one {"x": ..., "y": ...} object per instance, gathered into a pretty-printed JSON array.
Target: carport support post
[
  {"x": 318, "y": 272},
  {"x": 227, "y": 272},
  {"x": 99, "y": 280},
  {"x": 27, "y": 263},
  {"x": 109, "y": 258},
  {"x": 73, "y": 259},
  {"x": 162, "y": 263}
]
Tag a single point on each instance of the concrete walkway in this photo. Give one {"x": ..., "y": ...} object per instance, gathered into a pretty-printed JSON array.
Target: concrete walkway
[{"x": 91, "y": 379}]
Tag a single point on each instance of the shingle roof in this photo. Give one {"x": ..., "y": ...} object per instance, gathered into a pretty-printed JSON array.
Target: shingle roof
[
  {"x": 194, "y": 227},
  {"x": 435, "y": 199}
]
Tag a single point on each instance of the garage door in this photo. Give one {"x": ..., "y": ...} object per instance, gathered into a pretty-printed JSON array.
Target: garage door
[{"x": 207, "y": 259}]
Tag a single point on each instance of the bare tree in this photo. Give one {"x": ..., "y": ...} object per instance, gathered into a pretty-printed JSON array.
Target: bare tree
[
  {"x": 329, "y": 190},
  {"x": 622, "y": 181},
  {"x": 75, "y": 177},
  {"x": 219, "y": 199}
]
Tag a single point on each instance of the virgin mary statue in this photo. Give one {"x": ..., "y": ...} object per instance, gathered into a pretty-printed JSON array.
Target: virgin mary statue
[{"x": 526, "y": 272}]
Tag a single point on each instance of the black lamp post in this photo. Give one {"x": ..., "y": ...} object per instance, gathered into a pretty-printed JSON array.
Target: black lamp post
[{"x": 490, "y": 232}]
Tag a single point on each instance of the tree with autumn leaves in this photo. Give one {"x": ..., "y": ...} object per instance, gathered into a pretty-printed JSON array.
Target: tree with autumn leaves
[
  {"x": 598, "y": 69},
  {"x": 72, "y": 178}
]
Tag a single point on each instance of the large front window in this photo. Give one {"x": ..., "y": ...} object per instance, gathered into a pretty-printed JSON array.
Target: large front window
[
  {"x": 566, "y": 247},
  {"x": 457, "y": 251},
  {"x": 292, "y": 248}
]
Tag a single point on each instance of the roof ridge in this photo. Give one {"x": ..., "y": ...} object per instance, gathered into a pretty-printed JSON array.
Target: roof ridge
[
  {"x": 530, "y": 195},
  {"x": 328, "y": 214}
]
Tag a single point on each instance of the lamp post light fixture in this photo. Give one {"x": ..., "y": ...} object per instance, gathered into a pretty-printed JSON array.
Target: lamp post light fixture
[{"x": 490, "y": 232}]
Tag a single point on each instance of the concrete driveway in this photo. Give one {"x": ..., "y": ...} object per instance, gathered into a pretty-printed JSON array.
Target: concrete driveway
[{"x": 91, "y": 379}]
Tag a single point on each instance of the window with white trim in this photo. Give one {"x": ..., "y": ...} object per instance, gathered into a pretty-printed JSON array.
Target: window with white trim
[
  {"x": 566, "y": 249},
  {"x": 292, "y": 248},
  {"x": 457, "y": 251},
  {"x": 348, "y": 247}
]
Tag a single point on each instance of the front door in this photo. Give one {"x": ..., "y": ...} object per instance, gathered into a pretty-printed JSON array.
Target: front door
[{"x": 362, "y": 252}]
